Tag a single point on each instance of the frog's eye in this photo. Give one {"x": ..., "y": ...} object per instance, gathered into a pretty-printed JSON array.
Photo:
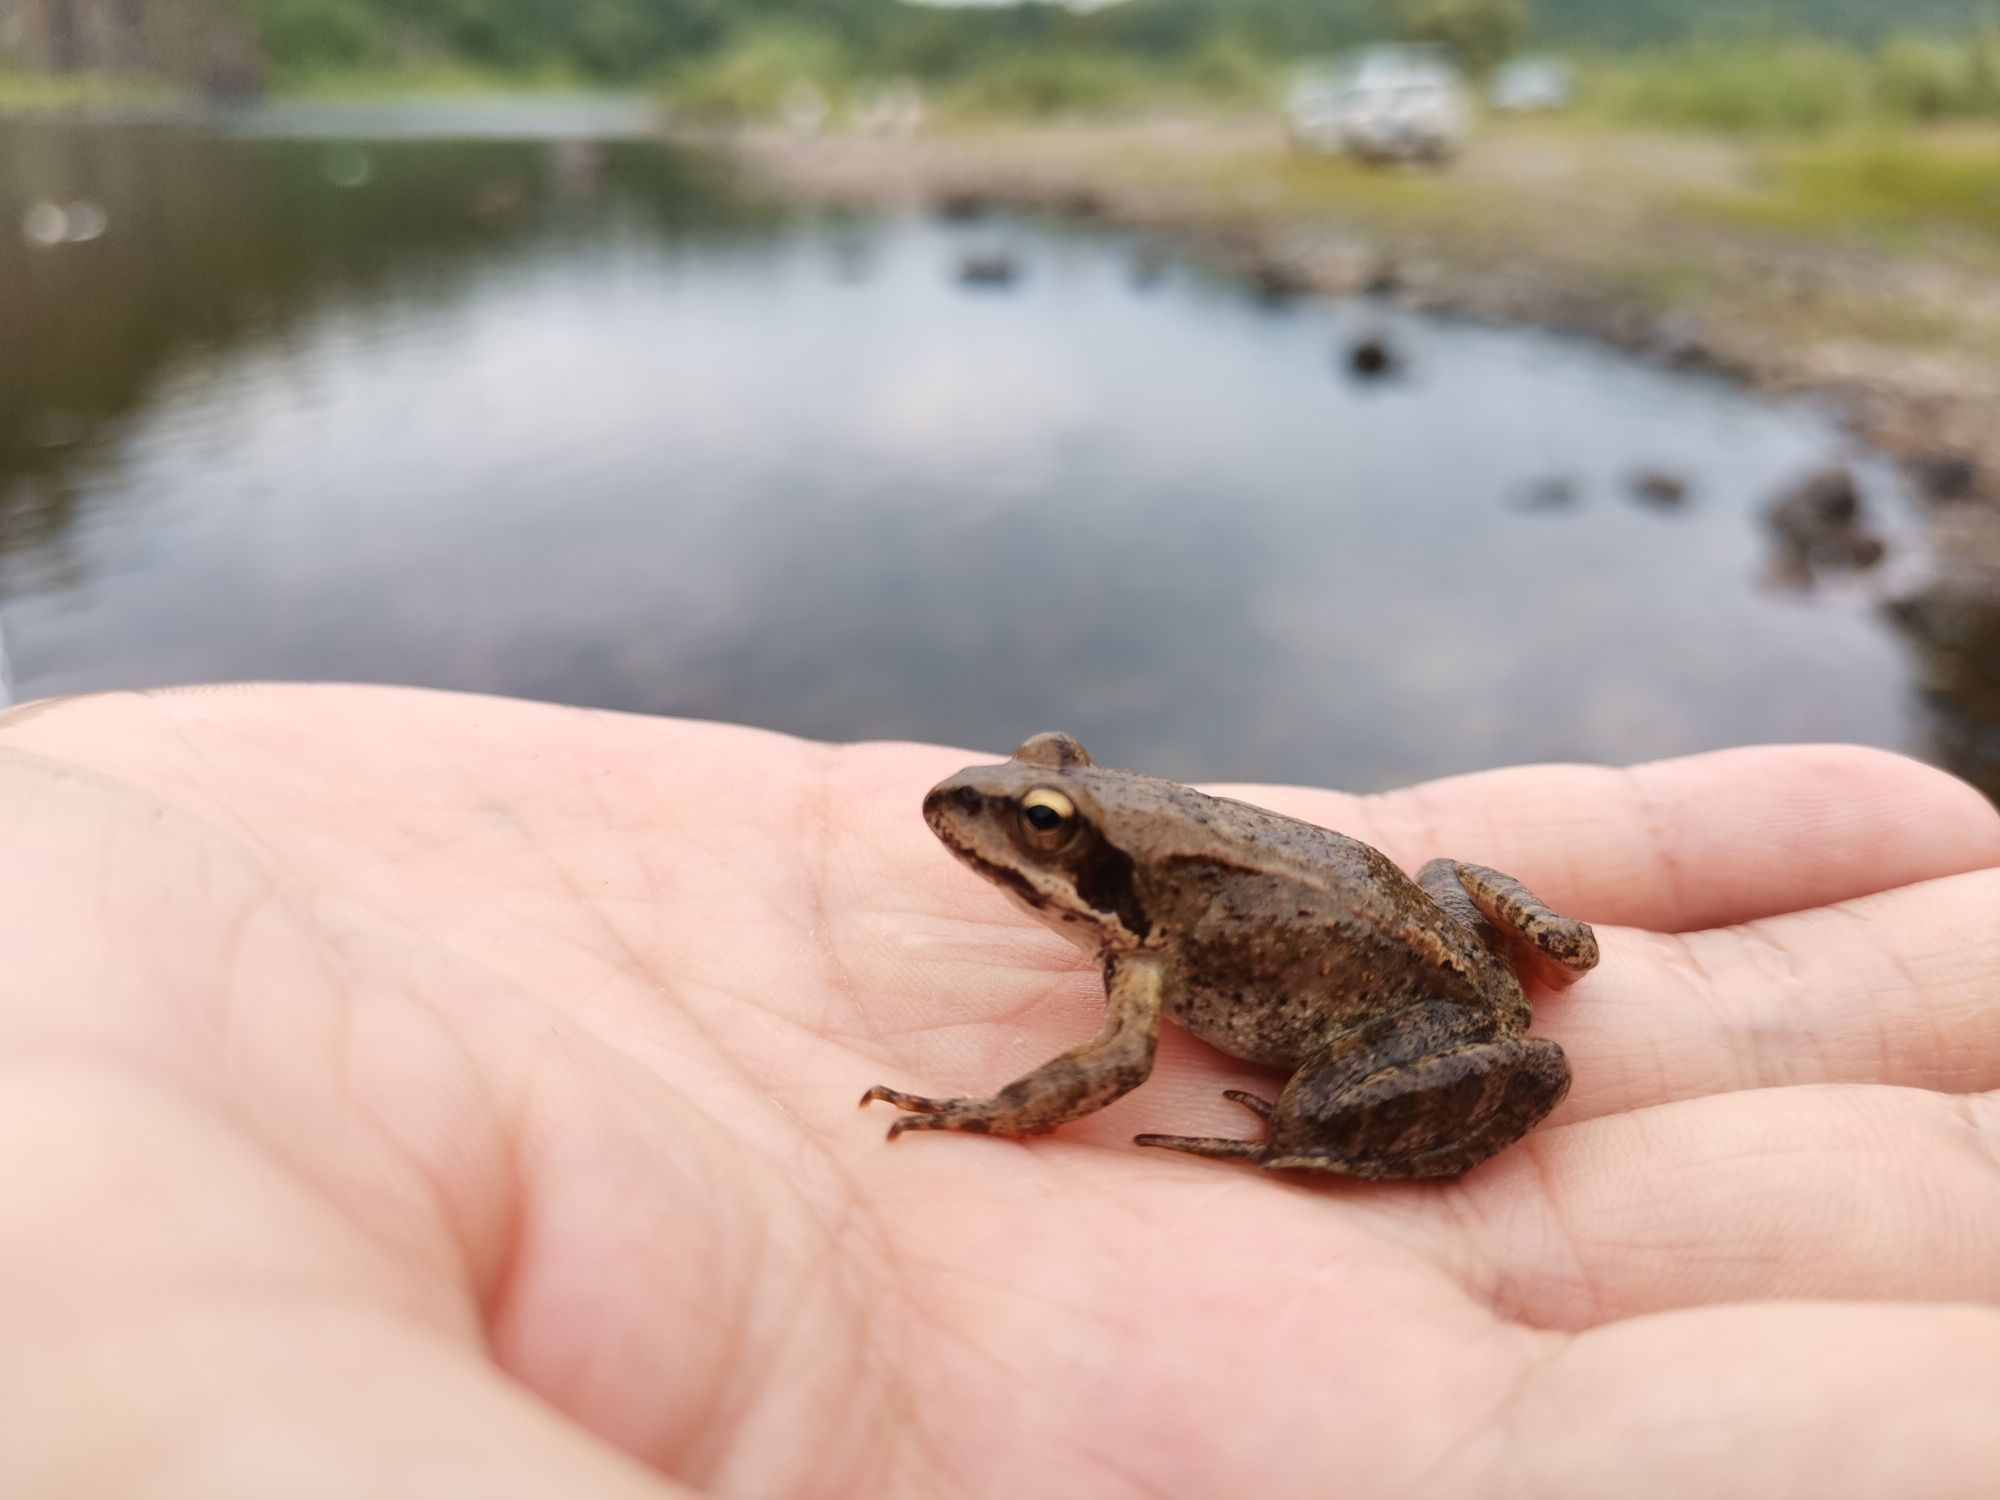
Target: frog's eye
[{"x": 1048, "y": 818}]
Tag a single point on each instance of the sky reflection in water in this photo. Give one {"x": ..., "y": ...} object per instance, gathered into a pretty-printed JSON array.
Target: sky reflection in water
[{"x": 594, "y": 429}]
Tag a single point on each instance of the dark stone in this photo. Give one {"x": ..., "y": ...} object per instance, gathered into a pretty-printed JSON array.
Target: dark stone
[
  {"x": 1372, "y": 357},
  {"x": 1083, "y": 203},
  {"x": 1820, "y": 524},
  {"x": 1659, "y": 488},
  {"x": 1550, "y": 492},
  {"x": 1385, "y": 280},
  {"x": 964, "y": 205},
  {"x": 1278, "y": 281},
  {"x": 1820, "y": 502},
  {"x": 993, "y": 268},
  {"x": 1949, "y": 477}
]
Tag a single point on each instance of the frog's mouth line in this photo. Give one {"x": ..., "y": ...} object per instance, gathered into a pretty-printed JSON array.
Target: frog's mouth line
[
  {"x": 1004, "y": 875},
  {"x": 1103, "y": 883}
]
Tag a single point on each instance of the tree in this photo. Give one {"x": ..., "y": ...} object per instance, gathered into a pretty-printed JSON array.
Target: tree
[{"x": 1484, "y": 33}]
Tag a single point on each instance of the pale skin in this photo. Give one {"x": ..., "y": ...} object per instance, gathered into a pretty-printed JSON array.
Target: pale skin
[{"x": 415, "y": 1095}]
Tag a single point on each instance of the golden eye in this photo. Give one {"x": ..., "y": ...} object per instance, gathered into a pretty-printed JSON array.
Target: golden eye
[{"x": 1048, "y": 818}]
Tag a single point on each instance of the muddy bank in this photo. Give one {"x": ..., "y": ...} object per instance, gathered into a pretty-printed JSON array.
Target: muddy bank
[{"x": 1541, "y": 235}]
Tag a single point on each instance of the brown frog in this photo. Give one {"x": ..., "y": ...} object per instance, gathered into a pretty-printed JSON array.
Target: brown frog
[{"x": 1392, "y": 1000}]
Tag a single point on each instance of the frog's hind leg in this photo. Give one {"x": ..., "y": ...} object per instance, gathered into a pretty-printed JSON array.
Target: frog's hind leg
[
  {"x": 1511, "y": 918},
  {"x": 1431, "y": 1091}
]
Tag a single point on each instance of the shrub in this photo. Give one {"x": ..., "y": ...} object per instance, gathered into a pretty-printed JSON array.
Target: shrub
[
  {"x": 1924, "y": 80},
  {"x": 1038, "y": 84},
  {"x": 752, "y": 76},
  {"x": 1798, "y": 86},
  {"x": 303, "y": 36}
]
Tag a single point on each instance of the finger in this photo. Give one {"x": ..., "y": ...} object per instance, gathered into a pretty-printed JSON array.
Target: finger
[
  {"x": 1704, "y": 841},
  {"x": 1681, "y": 845},
  {"x": 1743, "y": 1403},
  {"x": 1854, "y": 1193},
  {"x": 1893, "y": 988},
  {"x": 1896, "y": 988}
]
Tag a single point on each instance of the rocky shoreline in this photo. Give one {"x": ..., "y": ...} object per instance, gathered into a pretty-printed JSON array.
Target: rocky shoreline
[{"x": 1928, "y": 407}]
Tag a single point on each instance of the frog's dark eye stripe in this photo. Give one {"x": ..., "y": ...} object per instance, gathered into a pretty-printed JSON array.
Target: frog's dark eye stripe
[{"x": 1047, "y": 818}]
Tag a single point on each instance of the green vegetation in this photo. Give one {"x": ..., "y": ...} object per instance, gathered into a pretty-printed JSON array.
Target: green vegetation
[
  {"x": 1740, "y": 65},
  {"x": 1761, "y": 86},
  {"x": 1802, "y": 86},
  {"x": 1891, "y": 187},
  {"x": 751, "y": 77},
  {"x": 1484, "y": 33},
  {"x": 634, "y": 39},
  {"x": 1041, "y": 84},
  {"x": 1655, "y": 24},
  {"x": 1767, "y": 85},
  {"x": 1771, "y": 65},
  {"x": 34, "y": 93}
]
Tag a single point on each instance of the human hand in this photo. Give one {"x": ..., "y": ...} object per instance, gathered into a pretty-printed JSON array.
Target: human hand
[{"x": 406, "y": 1094}]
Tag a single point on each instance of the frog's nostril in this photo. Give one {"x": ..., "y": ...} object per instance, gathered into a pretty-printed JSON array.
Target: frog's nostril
[
  {"x": 948, "y": 801},
  {"x": 941, "y": 800}
]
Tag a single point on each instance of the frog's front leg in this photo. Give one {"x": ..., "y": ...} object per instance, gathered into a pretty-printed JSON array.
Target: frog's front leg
[
  {"x": 1512, "y": 919},
  {"x": 1431, "y": 1090},
  {"x": 1079, "y": 1082}
]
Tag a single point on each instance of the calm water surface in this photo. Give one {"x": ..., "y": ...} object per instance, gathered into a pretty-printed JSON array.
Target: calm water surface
[{"x": 587, "y": 422}]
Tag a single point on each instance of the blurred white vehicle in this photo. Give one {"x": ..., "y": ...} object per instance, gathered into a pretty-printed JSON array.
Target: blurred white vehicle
[
  {"x": 1531, "y": 84},
  {"x": 894, "y": 108},
  {"x": 1383, "y": 104}
]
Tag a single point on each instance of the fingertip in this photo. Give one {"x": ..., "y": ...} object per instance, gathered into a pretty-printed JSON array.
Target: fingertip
[
  {"x": 1865, "y": 777},
  {"x": 1785, "y": 828},
  {"x": 1704, "y": 840}
]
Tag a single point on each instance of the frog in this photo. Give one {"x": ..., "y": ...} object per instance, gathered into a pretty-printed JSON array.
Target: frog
[{"x": 1396, "y": 1004}]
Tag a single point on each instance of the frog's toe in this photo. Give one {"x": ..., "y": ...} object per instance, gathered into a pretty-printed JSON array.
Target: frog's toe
[
  {"x": 1198, "y": 1145},
  {"x": 971, "y": 1124},
  {"x": 1263, "y": 1109},
  {"x": 915, "y": 1103},
  {"x": 972, "y": 1116}
]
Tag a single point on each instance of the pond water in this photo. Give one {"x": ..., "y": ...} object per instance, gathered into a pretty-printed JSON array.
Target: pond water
[{"x": 589, "y": 421}]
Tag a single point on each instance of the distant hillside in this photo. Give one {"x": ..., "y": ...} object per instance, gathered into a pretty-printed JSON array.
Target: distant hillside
[
  {"x": 1622, "y": 23},
  {"x": 1290, "y": 25},
  {"x": 637, "y": 38}
]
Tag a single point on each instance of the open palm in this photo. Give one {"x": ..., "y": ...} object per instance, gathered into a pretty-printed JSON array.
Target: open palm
[{"x": 408, "y": 1094}]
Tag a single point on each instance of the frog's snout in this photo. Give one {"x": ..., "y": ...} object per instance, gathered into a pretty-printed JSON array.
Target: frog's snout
[{"x": 951, "y": 800}]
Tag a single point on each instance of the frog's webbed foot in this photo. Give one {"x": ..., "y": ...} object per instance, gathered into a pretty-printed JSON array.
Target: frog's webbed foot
[
  {"x": 1507, "y": 915},
  {"x": 1076, "y": 1083}
]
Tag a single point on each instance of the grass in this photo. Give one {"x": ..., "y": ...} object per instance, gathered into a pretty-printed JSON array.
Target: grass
[
  {"x": 1068, "y": 85},
  {"x": 1898, "y": 189},
  {"x": 428, "y": 80},
  {"x": 1800, "y": 86},
  {"x": 1791, "y": 86},
  {"x": 752, "y": 78},
  {"x": 43, "y": 93}
]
